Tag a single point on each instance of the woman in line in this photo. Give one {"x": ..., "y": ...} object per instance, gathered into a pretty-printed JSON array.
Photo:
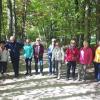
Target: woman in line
[
  {"x": 4, "y": 54},
  {"x": 71, "y": 57},
  {"x": 28, "y": 53},
  {"x": 97, "y": 63},
  {"x": 85, "y": 59},
  {"x": 58, "y": 58}
]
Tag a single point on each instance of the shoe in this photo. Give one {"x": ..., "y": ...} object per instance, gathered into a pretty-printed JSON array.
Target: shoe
[
  {"x": 78, "y": 79},
  {"x": 41, "y": 74},
  {"x": 49, "y": 74},
  {"x": 73, "y": 79},
  {"x": 67, "y": 79},
  {"x": 36, "y": 73},
  {"x": 58, "y": 78},
  {"x": 30, "y": 74},
  {"x": 83, "y": 80},
  {"x": 26, "y": 73}
]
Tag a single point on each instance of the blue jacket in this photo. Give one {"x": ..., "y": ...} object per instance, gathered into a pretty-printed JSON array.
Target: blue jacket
[
  {"x": 15, "y": 48},
  {"x": 28, "y": 51},
  {"x": 50, "y": 49}
]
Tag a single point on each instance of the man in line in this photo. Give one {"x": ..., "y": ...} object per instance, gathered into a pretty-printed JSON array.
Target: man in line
[{"x": 14, "y": 48}]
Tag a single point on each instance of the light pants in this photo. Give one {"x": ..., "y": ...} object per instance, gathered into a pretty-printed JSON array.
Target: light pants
[
  {"x": 58, "y": 65},
  {"x": 82, "y": 68}
]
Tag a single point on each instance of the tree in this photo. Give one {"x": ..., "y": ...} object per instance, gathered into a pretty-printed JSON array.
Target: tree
[
  {"x": 98, "y": 20},
  {"x": 0, "y": 18}
]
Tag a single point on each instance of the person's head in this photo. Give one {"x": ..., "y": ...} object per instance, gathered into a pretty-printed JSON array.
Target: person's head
[
  {"x": 27, "y": 41},
  {"x": 85, "y": 44},
  {"x": 57, "y": 44},
  {"x": 12, "y": 38},
  {"x": 98, "y": 43},
  {"x": 53, "y": 41},
  {"x": 37, "y": 41},
  {"x": 2, "y": 44},
  {"x": 73, "y": 43}
]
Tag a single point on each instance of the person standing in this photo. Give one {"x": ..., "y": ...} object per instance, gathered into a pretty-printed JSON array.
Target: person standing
[
  {"x": 28, "y": 53},
  {"x": 58, "y": 58},
  {"x": 4, "y": 54},
  {"x": 85, "y": 59},
  {"x": 97, "y": 62},
  {"x": 14, "y": 48},
  {"x": 71, "y": 57},
  {"x": 51, "y": 65},
  {"x": 38, "y": 50}
]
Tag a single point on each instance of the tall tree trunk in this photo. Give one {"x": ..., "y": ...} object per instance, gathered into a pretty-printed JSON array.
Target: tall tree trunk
[
  {"x": 0, "y": 18},
  {"x": 14, "y": 17},
  {"x": 24, "y": 18},
  {"x": 87, "y": 21},
  {"x": 10, "y": 17},
  {"x": 98, "y": 20},
  {"x": 12, "y": 24}
]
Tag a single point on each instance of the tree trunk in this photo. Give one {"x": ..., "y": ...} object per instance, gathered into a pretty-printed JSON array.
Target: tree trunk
[
  {"x": 0, "y": 18},
  {"x": 87, "y": 21},
  {"x": 98, "y": 20},
  {"x": 14, "y": 18},
  {"x": 24, "y": 18},
  {"x": 10, "y": 17}
]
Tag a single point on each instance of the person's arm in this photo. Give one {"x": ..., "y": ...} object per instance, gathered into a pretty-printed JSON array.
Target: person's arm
[
  {"x": 20, "y": 45},
  {"x": 62, "y": 51},
  {"x": 91, "y": 56},
  {"x": 24, "y": 52},
  {"x": 31, "y": 52},
  {"x": 53, "y": 55}
]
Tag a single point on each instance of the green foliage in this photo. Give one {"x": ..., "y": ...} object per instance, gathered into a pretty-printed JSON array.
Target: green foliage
[{"x": 52, "y": 18}]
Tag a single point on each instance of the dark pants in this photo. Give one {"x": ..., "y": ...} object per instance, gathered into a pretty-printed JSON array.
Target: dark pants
[
  {"x": 71, "y": 65},
  {"x": 15, "y": 64},
  {"x": 3, "y": 67},
  {"x": 51, "y": 66},
  {"x": 28, "y": 65},
  {"x": 39, "y": 63},
  {"x": 97, "y": 71}
]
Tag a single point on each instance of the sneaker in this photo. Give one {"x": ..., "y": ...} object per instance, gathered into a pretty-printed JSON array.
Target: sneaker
[
  {"x": 36, "y": 73},
  {"x": 30, "y": 74},
  {"x": 73, "y": 79},
  {"x": 41, "y": 74},
  {"x": 26, "y": 73},
  {"x": 67, "y": 79},
  {"x": 49, "y": 74},
  {"x": 58, "y": 78},
  {"x": 78, "y": 79}
]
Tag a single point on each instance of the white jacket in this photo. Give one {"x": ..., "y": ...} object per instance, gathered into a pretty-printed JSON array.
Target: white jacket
[
  {"x": 4, "y": 55},
  {"x": 58, "y": 54}
]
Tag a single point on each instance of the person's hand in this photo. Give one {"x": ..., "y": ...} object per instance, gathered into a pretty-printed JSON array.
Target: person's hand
[
  {"x": 66, "y": 62},
  {"x": 9, "y": 49}
]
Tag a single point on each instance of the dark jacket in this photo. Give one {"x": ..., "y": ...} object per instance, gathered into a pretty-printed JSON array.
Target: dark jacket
[
  {"x": 38, "y": 54},
  {"x": 14, "y": 49}
]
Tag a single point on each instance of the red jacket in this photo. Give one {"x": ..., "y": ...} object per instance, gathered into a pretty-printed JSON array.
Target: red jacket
[
  {"x": 86, "y": 55},
  {"x": 71, "y": 54}
]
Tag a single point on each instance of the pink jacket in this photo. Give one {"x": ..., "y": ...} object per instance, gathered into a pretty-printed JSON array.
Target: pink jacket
[{"x": 86, "y": 56}]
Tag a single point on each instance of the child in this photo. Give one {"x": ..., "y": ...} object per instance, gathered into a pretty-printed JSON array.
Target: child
[
  {"x": 58, "y": 58},
  {"x": 28, "y": 53},
  {"x": 3, "y": 58}
]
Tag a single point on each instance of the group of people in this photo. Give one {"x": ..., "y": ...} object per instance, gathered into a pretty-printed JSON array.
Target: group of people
[{"x": 85, "y": 56}]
